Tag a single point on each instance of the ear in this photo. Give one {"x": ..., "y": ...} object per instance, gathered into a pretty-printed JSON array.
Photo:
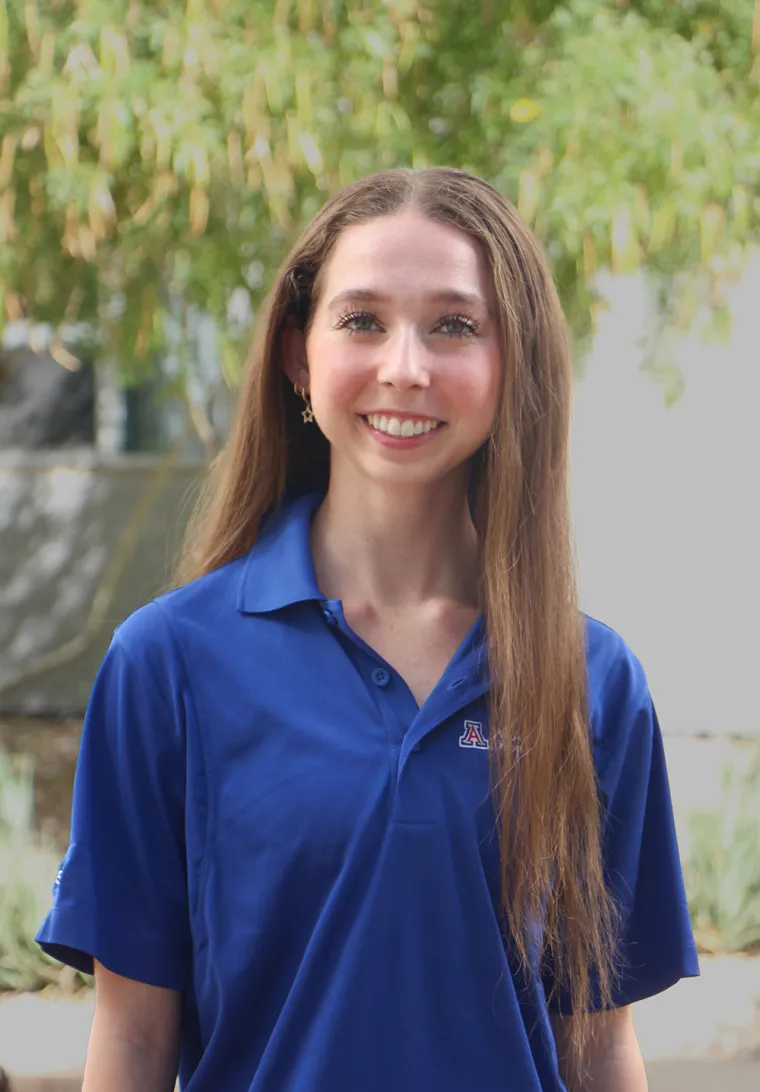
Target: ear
[{"x": 294, "y": 360}]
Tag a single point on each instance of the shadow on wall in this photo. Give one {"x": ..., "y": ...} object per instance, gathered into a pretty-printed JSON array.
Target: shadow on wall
[{"x": 65, "y": 522}]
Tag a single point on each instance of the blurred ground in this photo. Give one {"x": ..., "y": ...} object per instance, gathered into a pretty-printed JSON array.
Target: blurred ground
[
  {"x": 675, "y": 1077},
  {"x": 715, "y": 1017},
  {"x": 700, "y": 1077}
]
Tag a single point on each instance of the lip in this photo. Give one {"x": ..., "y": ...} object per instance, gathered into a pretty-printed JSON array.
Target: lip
[
  {"x": 401, "y": 415},
  {"x": 402, "y": 443}
]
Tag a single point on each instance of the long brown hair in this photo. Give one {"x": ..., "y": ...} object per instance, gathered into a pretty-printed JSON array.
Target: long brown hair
[{"x": 544, "y": 782}]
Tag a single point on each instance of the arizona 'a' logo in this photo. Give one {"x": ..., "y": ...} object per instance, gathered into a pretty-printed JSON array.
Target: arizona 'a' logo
[{"x": 472, "y": 736}]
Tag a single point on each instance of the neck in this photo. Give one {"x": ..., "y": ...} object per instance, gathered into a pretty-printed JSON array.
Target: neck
[{"x": 396, "y": 548}]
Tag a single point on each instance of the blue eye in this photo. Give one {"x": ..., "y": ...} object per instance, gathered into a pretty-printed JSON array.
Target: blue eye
[
  {"x": 366, "y": 322},
  {"x": 458, "y": 326},
  {"x": 357, "y": 322}
]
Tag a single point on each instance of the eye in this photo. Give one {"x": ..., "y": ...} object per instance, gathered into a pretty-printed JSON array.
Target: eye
[
  {"x": 458, "y": 326},
  {"x": 357, "y": 322}
]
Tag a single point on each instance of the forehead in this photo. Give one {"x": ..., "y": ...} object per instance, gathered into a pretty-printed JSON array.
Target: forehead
[{"x": 407, "y": 253}]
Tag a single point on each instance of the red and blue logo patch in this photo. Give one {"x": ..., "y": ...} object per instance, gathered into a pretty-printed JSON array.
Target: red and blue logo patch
[{"x": 472, "y": 736}]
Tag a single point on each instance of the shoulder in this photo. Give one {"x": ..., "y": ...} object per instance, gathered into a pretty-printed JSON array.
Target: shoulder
[
  {"x": 152, "y": 636},
  {"x": 619, "y": 700},
  {"x": 213, "y": 594},
  {"x": 613, "y": 667}
]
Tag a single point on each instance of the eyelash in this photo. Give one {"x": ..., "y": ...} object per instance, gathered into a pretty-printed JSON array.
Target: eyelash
[{"x": 344, "y": 323}]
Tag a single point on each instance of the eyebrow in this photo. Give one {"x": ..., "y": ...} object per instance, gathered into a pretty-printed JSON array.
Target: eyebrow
[{"x": 368, "y": 295}]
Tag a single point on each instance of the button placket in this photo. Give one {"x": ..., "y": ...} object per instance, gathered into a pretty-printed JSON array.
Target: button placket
[
  {"x": 376, "y": 677},
  {"x": 418, "y": 799},
  {"x": 380, "y": 677},
  {"x": 456, "y": 697}
]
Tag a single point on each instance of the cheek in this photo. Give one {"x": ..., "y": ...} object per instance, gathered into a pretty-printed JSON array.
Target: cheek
[
  {"x": 477, "y": 384},
  {"x": 337, "y": 373}
]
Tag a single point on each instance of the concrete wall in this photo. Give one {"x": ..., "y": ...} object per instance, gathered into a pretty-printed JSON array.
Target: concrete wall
[
  {"x": 61, "y": 518},
  {"x": 667, "y": 509}
]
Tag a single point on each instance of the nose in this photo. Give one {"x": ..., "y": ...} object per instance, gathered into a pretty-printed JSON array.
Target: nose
[{"x": 404, "y": 362}]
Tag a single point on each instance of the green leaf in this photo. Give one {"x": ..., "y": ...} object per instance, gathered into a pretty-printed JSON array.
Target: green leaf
[{"x": 625, "y": 133}]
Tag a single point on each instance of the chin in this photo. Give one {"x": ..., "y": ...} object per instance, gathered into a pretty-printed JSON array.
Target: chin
[{"x": 407, "y": 476}]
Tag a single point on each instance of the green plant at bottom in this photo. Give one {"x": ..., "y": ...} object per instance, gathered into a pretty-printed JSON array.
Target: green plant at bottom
[
  {"x": 28, "y": 865},
  {"x": 722, "y": 870}
]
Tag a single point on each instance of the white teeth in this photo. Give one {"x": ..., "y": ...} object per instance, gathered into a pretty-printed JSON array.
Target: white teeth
[{"x": 393, "y": 426}]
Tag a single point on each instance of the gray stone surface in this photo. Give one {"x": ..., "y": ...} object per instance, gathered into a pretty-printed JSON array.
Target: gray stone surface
[
  {"x": 43, "y": 405},
  {"x": 61, "y": 521}
]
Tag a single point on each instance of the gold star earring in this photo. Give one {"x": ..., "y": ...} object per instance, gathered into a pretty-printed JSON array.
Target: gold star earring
[{"x": 308, "y": 413}]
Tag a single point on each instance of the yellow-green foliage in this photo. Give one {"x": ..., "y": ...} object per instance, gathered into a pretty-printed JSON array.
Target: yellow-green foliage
[
  {"x": 157, "y": 152},
  {"x": 28, "y": 867},
  {"x": 723, "y": 867}
]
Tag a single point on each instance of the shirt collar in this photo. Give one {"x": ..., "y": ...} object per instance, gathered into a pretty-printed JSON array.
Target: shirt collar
[{"x": 279, "y": 569}]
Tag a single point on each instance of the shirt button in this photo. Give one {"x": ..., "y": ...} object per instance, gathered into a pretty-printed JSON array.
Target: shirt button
[
  {"x": 381, "y": 677},
  {"x": 330, "y": 617}
]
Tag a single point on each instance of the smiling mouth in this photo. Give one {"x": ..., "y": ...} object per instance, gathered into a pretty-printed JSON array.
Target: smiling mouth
[{"x": 404, "y": 427}]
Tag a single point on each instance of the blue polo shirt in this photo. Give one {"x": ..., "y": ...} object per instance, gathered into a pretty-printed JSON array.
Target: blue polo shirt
[{"x": 264, "y": 819}]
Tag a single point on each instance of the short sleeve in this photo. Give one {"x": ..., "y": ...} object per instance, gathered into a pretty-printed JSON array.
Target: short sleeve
[
  {"x": 120, "y": 895},
  {"x": 640, "y": 847}
]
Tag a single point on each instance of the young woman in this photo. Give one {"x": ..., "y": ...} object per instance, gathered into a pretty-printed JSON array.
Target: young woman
[{"x": 367, "y": 804}]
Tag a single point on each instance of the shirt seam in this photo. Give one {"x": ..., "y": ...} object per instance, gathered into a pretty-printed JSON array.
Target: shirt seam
[
  {"x": 204, "y": 863},
  {"x": 606, "y": 748}
]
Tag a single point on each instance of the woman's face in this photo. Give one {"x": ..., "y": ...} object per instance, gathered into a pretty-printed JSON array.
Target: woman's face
[{"x": 403, "y": 357}]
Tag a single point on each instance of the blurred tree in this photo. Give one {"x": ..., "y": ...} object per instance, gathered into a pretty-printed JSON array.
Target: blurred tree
[{"x": 157, "y": 155}]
